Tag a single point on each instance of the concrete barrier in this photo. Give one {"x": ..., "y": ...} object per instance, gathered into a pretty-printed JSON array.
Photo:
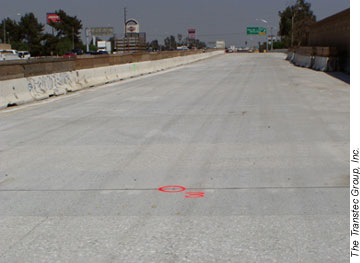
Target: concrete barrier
[
  {"x": 302, "y": 60},
  {"x": 14, "y": 92},
  {"x": 23, "y": 90},
  {"x": 325, "y": 63},
  {"x": 318, "y": 58},
  {"x": 320, "y": 63},
  {"x": 290, "y": 56},
  {"x": 50, "y": 65}
]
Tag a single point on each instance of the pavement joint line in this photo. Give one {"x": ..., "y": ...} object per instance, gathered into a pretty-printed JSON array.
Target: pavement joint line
[{"x": 189, "y": 188}]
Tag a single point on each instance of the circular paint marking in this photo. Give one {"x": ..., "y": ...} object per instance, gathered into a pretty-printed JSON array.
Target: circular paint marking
[{"x": 163, "y": 188}]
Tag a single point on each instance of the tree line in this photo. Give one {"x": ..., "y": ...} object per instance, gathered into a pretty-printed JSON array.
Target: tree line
[
  {"x": 171, "y": 43},
  {"x": 295, "y": 23},
  {"x": 29, "y": 34}
]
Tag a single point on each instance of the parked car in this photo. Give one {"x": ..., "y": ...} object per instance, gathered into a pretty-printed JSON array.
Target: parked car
[
  {"x": 8, "y": 54},
  {"x": 69, "y": 55},
  {"x": 91, "y": 53},
  {"x": 77, "y": 51},
  {"x": 97, "y": 53},
  {"x": 24, "y": 54},
  {"x": 102, "y": 52}
]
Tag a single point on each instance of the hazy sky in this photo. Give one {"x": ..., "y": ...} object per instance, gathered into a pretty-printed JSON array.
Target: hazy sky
[{"x": 213, "y": 19}]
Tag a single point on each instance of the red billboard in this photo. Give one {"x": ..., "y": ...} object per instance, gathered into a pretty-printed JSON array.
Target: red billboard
[
  {"x": 191, "y": 33},
  {"x": 52, "y": 17}
]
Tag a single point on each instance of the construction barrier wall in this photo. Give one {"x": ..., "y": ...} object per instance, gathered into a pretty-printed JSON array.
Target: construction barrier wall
[
  {"x": 31, "y": 88},
  {"x": 42, "y": 66},
  {"x": 313, "y": 57},
  {"x": 328, "y": 45},
  {"x": 332, "y": 31}
]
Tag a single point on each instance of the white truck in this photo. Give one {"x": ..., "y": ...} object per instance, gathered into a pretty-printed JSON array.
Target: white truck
[
  {"x": 24, "y": 54},
  {"x": 104, "y": 46},
  {"x": 8, "y": 54}
]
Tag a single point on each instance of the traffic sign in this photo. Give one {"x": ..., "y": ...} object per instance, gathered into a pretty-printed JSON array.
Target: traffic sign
[{"x": 256, "y": 31}]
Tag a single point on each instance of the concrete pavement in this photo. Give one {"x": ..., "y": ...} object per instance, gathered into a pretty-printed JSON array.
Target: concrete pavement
[{"x": 266, "y": 142}]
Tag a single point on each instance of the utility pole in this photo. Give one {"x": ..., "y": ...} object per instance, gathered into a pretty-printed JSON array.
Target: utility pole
[
  {"x": 114, "y": 44},
  {"x": 73, "y": 44},
  {"x": 87, "y": 39},
  {"x": 125, "y": 37},
  {"x": 267, "y": 39},
  {"x": 272, "y": 39},
  {"x": 124, "y": 21},
  {"x": 292, "y": 30},
  {"x": 4, "y": 31}
]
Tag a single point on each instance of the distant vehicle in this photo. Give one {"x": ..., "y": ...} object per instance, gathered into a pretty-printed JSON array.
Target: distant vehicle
[
  {"x": 244, "y": 50},
  {"x": 69, "y": 55},
  {"x": 91, "y": 53},
  {"x": 8, "y": 54},
  {"x": 99, "y": 52},
  {"x": 104, "y": 46},
  {"x": 182, "y": 48},
  {"x": 77, "y": 51},
  {"x": 24, "y": 54},
  {"x": 8, "y": 51}
]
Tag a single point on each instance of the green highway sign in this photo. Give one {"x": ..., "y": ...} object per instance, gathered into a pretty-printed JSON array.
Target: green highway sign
[{"x": 256, "y": 31}]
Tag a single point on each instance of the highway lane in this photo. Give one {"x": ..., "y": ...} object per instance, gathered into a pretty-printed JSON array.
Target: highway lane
[{"x": 266, "y": 142}]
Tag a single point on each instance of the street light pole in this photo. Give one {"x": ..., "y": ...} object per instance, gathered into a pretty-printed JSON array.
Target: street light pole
[
  {"x": 297, "y": 9},
  {"x": 267, "y": 40},
  {"x": 5, "y": 33},
  {"x": 73, "y": 44},
  {"x": 272, "y": 39},
  {"x": 87, "y": 39},
  {"x": 292, "y": 30},
  {"x": 125, "y": 21},
  {"x": 4, "y": 30}
]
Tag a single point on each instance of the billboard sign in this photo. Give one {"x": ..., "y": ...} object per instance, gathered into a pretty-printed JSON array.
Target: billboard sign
[
  {"x": 220, "y": 44},
  {"x": 132, "y": 26},
  {"x": 102, "y": 31},
  {"x": 52, "y": 17},
  {"x": 256, "y": 31},
  {"x": 191, "y": 33}
]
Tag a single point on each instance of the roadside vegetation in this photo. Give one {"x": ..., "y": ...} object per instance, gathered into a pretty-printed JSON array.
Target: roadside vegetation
[
  {"x": 295, "y": 22},
  {"x": 29, "y": 34}
]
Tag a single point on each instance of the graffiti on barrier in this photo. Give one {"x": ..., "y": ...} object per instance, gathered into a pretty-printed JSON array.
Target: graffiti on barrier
[{"x": 48, "y": 85}]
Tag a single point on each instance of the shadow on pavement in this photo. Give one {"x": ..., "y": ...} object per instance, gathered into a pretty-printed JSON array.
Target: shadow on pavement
[{"x": 340, "y": 75}]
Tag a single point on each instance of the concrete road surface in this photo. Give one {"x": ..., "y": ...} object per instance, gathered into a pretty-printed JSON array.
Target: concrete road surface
[{"x": 261, "y": 147}]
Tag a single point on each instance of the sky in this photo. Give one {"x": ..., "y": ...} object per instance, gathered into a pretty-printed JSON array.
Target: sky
[{"x": 213, "y": 19}]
